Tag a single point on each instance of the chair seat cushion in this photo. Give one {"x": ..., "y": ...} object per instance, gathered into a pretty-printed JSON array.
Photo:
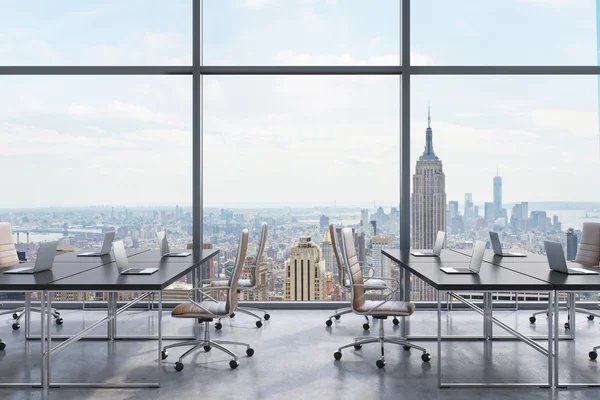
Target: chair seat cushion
[
  {"x": 190, "y": 310},
  {"x": 372, "y": 284},
  {"x": 241, "y": 283},
  {"x": 375, "y": 284},
  {"x": 390, "y": 308}
]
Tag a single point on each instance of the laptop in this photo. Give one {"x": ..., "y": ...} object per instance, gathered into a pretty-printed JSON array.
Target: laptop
[
  {"x": 123, "y": 263},
  {"x": 163, "y": 245},
  {"x": 475, "y": 263},
  {"x": 108, "y": 239},
  {"x": 557, "y": 262},
  {"x": 437, "y": 247},
  {"x": 44, "y": 261},
  {"x": 497, "y": 246}
]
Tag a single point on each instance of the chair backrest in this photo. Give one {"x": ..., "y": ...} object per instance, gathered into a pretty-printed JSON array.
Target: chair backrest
[
  {"x": 353, "y": 269},
  {"x": 588, "y": 252},
  {"x": 8, "y": 252},
  {"x": 337, "y": 252},
  {"x": 232, "y": 296},
  {"x": 260, "y": 249}
]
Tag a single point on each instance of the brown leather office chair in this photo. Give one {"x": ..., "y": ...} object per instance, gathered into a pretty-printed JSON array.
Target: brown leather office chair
[
  {"x": 370, "y": 283},
  {"x": 377, "y": 309},
  {"x": 208, "y": 309}
]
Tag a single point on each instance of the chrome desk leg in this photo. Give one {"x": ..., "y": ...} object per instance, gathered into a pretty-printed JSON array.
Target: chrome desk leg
[
  {"x": 44, "y": 377},
  {"x": 439, "y": 338},
  {"x": 160, "y": 311},
  {"x": 556, "y": 383},
  {"x": 550, "y": 319},
  {"x": 48, "y": 338},
  {"x": 27, "y": 315}
]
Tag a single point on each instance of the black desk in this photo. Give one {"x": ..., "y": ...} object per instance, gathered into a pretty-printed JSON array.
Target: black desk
[
  {"x": 490, "y": 279},
  {"x": 447, "y": 255},
  {"x": 490, "y": 257},
  {"x": 99, "y": 260},
  {"x": 154, "y": 255},
  {"x": 106, "y": 278}
]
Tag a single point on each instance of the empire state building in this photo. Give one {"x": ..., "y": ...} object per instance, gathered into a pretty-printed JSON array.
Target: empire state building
[{"x": 429, "y": 195}]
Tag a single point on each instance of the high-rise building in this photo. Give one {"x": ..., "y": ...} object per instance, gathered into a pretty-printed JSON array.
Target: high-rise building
[
  {"x": 304, "y": 272},
  {"x": 364, "y": 219},
  {"x": 324, "y": 223},
  {"x": 476, "y": 212},
  {"x": 381, "y": 265},
  {"x": 468, "y": 214},
  {"x": 328, "y": 255},
  {"x": 571, "y": 244},
  {"x": 429, "y": 195},
  {"x": 497, "y": 195},
  {"x": 525, "y": 210},
  {"x": 489, "y": 212}
]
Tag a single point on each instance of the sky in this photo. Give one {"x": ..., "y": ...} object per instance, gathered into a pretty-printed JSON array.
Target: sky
[{"x": 295, "y": 139}]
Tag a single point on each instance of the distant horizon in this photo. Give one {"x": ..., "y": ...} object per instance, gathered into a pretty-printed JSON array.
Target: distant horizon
[{"x": 272, "y": 205}]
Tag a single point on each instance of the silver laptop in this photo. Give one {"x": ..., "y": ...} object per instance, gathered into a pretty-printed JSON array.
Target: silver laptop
[
  {"x": 497, "y": 246},
  {"x": 44, "y": 261},
  {"x": 437, "y": 247},
  {"x": 123, "y": 263},
  {"x": 163, "y": 245},
  {"x": 557, "y": 262},
  {"x": 106, "y": 245},
  {"x": 475, "y": 263}
]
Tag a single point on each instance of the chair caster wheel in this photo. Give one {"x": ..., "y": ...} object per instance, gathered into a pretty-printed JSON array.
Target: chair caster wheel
[
  {"x": 59, "y": 321},
  {"x": 250, "y": 352},
  {"x": 366, "y": 326},
  {"x": 218, "y": 326},
  {"x": 15, "y": 316},
  {"x": 337, "y": 355},
  {"x": 337, "y": 317},
  {"x": 178, "y": 366},
  {"x": 532, "y": 320},
  {"x": 590, "y": 317},
  {"x": 328, "y": 322},
  {"x": 164, "y": 354},
  {"x": 258, "y": 324},
  {"x": 567, "y": 326},
  {"x": 207, "y": 348},
  {"x": 380, "y": 363},
  {"x": 426, "y": 357},
  {"x": 232, "y": 315},
  {"x": 233, "y": 364},
  {"x": 396, "y": 321},
  {"x": 593, "y": 355},
  {"x": 16, "y": 326},
  {"x": 267, "y": 317},
  {"x": 406, "y": 347},
  {"x": 358, "y": 346},
  {"x": 2, "y": 345}
]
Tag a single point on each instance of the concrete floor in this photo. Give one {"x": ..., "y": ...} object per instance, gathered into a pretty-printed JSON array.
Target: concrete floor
[{"x": 294, "y": 360}]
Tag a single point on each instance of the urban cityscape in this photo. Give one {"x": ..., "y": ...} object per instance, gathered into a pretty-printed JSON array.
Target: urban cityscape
[{"x": 298, "y": 263}]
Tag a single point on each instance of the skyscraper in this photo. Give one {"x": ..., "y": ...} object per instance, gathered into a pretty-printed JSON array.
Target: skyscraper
[
  {"x": 328, "y": 256},
  {"x": 571, "y": 244},
  {"x": 324, "y": 223},
  {"x": 381, "y": 265},
  {"x": 429, "y": 195},
  {"x": 304, "y": 272},
  {"x": 489, "y": 212},
  {"x": 364, "y": 219},
  {"x": 497, "y": 195},
  {"x": 468, "y": 206}
]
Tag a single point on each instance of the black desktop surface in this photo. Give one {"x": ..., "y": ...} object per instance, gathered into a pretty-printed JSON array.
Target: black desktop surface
[
  {"x": 154, "y": 256},
  {"x": 489, "y": 278},
  {"x": 40, "y": 280},
  {"x": 98, "y": 260},
  {"x": 447, "y": 255},
  {"x": 490, "y": 257},
  {"x": 107, "y": 278}
]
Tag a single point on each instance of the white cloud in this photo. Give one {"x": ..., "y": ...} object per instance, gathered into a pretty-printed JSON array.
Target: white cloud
[
  {"x": 96, "y": 129},
  {"x": 256, "y": 3},
  {"x": 554, "y": 3},
  {"x": 81, "y": 110},
  {"x": 467, "y": 114}
]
